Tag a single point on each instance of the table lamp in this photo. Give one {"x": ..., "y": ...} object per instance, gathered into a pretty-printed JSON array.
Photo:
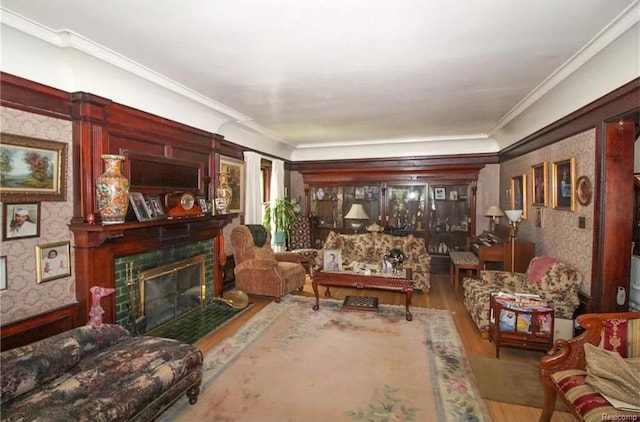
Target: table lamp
[
  {"x": 356, "y": 213},
  {"x": 495, "y": 213},
  {"x": 514, "y": 217}
]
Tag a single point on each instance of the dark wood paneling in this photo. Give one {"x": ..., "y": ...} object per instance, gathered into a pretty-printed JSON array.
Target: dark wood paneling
[
  {"x": 30, "y": 96},
  {"x": 27, "y": 331}
]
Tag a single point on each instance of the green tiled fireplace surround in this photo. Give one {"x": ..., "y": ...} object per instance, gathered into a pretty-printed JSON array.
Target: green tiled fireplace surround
[{"x": 152, "y": 259}]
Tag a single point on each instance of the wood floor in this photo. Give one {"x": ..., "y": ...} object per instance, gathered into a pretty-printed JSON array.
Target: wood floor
[{"x": 441, "y": 296}]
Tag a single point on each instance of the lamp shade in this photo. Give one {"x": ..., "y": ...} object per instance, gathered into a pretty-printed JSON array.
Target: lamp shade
[
  {"x": 514, "y": 215},
  {"x": 357, "y": 212},
  {"x": 493, "y": 211}
]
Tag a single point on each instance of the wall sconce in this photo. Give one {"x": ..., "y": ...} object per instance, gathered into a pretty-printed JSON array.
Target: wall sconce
[
  {"x": 514, "y": 217},
  {"x": 495, "y": 213},
  {"x": 356, "y": 213}
]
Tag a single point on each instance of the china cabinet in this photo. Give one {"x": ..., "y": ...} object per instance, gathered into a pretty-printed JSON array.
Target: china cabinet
[{"x": 440, "y": 211}]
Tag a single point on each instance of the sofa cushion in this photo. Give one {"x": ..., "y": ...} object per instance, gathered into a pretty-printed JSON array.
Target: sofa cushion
[{"x": 114, "y": 384}]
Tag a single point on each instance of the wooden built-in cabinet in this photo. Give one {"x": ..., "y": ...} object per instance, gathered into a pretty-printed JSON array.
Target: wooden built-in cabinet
[{"x": 441, "y": 210}]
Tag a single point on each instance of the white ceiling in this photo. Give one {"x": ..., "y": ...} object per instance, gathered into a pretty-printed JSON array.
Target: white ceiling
[{"x": 313, "y": 73}]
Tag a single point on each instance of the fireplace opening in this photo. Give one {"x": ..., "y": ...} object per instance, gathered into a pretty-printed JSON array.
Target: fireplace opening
[{"x": 170, "y": 291}]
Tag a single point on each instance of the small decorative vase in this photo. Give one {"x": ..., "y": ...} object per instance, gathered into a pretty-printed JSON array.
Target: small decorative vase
[{"x": 112, "y": 191}]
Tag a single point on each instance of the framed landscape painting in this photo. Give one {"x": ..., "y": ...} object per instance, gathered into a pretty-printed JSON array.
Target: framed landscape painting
[{"x": 32, "y": 169}]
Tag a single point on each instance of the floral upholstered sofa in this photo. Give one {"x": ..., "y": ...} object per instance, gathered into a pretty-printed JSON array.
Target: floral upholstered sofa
[
  {"x": 553, "y": 280},
  {"x": 97, "y": 373},
  {"x": 372, "y": 247}
]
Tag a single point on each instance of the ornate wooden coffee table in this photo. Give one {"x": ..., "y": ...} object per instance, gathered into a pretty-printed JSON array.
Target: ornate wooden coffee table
[{"x": 400, "y": 282}]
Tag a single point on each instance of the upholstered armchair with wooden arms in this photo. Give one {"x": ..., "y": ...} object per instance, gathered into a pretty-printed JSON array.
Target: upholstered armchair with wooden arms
[
  {"x": 261, "y": 271},
  {"x": 564, "y": 369}
]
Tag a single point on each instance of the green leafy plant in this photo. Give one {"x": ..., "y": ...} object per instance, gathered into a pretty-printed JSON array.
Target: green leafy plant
[{"x": 283, "y": 213}]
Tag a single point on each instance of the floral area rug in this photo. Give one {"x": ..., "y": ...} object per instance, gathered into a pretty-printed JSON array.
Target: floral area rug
[{"x": 290, "y": 363}]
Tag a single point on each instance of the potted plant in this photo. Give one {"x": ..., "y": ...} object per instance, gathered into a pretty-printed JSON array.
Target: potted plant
[{"x": 283, "y": 213}]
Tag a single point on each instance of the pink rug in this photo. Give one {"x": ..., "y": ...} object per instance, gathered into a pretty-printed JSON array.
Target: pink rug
[{"x": 289, "y": 363}]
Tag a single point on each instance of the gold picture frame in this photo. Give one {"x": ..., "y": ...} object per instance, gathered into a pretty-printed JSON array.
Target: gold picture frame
[
  {"x": 230, "y": 185},
  {"x": 539, "y": 185},
  {"x": 564, "y": 180},
  {"x": 33, "y": 169},
  {"x": 53, "y": 261},
  {"x": 519, "y": 194}
]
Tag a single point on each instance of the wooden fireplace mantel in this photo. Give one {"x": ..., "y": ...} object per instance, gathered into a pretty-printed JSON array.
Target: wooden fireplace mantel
[{"x": 96, "y": 247}]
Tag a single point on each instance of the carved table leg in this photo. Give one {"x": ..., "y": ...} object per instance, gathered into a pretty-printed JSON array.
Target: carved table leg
[
  {"x": 192, "y": 393},
  {"x": 315, "y": 292},
  {"x": 408, "y": 303}
]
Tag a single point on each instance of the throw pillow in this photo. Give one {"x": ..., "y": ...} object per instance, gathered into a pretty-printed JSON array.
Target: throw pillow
[
  {"x": 612, "y": 375},
  {"x": 539, "y": 267}
]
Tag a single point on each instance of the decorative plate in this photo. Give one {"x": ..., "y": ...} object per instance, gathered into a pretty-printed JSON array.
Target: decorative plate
[{"x": 584, "y": 190}]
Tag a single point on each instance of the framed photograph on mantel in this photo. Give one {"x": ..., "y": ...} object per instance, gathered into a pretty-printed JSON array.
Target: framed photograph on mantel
[{"x": 564, "y": 179}]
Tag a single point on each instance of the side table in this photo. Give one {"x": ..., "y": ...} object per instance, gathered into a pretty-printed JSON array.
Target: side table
[{"x": 520, "y": 324}]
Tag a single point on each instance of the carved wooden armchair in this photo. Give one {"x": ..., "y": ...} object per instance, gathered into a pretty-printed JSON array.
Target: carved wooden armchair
[
  {"x": 261, "y": 271},
  {"x": 564, "y": 368}
]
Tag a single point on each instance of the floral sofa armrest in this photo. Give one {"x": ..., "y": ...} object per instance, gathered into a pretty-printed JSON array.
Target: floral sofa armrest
[
  {"x": 24, "y": 368},
  {"x": 559, "y": 286}
]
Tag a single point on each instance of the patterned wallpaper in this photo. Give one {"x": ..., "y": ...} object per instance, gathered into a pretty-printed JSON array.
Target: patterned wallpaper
[
  {"x": 559, "y": 235},
  {"x": 24, "y": 297}
]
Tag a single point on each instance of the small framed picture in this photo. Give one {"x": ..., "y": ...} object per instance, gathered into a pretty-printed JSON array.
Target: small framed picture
[
  {"x": 202, "y": 202},
  {"x": 440, "y": 193},
  {"x": 564, "y": 179},
  {"x": 539, "y": 185},
  {"x": 155, "y": 207},
  {"x": 3, "y": 272},
  {"x": 359, "y": 192},
  {"x": 139, "y": 205},
  {"x": 21, "y": 221},
  {"x": 453, "y": 195},
  {"x": 53, "y": 261},
  {"x": 221, "y": 206},
  {"x": 332, "y": 260},
  {"x": 519, "y": 194}
]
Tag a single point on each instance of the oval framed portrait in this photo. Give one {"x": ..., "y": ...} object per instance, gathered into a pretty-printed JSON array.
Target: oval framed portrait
[{"x": 584, "y": 190}]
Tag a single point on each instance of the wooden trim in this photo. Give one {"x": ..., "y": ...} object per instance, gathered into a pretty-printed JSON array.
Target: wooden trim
[
  {"x": 19, "y": 333},
  {"x": 33, "y": 97}
]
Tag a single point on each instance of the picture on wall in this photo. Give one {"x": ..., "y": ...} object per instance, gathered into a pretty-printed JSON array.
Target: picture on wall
[
  {"x": 3, "y": 272},
  {"x": 564, "y": 179},
  {"x": 519, "y": 194},
  {"x": 440, "y": 193},
  {"x": 53, "y": 261},
  {"x": 539, "y": 183},
  {"x": 32, "y": 169},
  {"x": 21, "y": 221},
  {"x": 231, "y": 184}
]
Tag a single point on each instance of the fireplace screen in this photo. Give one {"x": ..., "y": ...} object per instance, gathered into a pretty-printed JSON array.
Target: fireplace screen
[{"x": 171, "y": 290}]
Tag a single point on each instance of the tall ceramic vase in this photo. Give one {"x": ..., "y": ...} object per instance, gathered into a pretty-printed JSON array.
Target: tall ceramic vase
[{"x": 112, "y": 191}]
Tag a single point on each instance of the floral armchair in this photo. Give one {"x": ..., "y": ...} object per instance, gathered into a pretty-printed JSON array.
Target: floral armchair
[
  {"x": 602, "y": 361},
  {"x": 554, "y": 281},
  {"x": 261, "y": 271}
]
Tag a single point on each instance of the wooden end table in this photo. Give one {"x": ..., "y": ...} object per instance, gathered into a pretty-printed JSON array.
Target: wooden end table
[
  {"x": 519, "y": 326},
  {"x": 400, "y": 282}
]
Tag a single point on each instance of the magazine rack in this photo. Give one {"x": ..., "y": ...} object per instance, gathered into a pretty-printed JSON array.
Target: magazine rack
[{"x": 520, "y": 321}]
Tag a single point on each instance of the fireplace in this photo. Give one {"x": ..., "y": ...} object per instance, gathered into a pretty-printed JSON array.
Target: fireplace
[{"x": 169, "y": 291}]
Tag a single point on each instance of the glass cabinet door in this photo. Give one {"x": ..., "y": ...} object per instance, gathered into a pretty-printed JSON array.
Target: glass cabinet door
[
  {"x": 448, "y": 218},
  {"x": 369, "y": 197},
  {"x": 326, "y": 206},
  {"x": 405, "y": 209}
]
